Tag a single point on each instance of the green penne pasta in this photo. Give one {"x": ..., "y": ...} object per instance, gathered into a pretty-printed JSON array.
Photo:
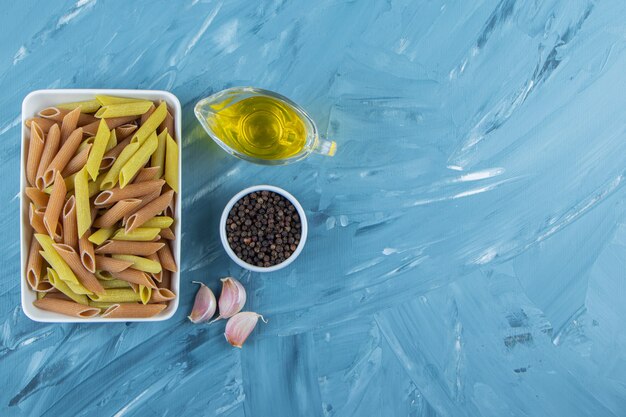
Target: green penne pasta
[
  {"x": 89, "y": 106},
  {"x": 116, "y": 295},
  {"x": 171, "y": 163},
  {"x": 62, "y": 286},
  {"x": 161, "y": 222},
  {"x": 141, "y": 234},
  {"x": 158, "y": 157},
  {"x": 138, "y": 160},
  {"x": 104, "y": 275},
  {"x": 81, "y": 193},
  {"x": 105, "y": 100},
  {"x": 99, "y": 304},
  {"x": 112, "y": 176},
  {"x": 135, "y": 108},
  {"x": 99, "y": 236},
  {"x": 54, "y": 259},
  {"x": 94, "y": 186},
  {"x": 155, "y": 119},
  {"x": 84, "y": 144},
  {"x": 140, "y": 263},
  {"x": 114, "y": 283},
  {"x": 98, "y": 149},
  {"x": 41, "y": 295},
  {"x": 112, "y": 143},
  {"x": 144, "y": 294}
]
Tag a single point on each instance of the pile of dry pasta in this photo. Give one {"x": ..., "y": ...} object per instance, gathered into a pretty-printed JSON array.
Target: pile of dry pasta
[{"x": 102, "y": 175}]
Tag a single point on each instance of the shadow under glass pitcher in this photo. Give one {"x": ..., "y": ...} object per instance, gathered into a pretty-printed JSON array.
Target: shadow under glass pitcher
[{"x": 261, "y": 126}]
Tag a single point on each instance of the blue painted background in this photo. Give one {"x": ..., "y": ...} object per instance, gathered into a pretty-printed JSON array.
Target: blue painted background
[{"x": 467, "y": 251}]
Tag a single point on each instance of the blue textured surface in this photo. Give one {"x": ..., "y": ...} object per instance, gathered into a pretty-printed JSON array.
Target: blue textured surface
[{"x": 467, "y": 247}]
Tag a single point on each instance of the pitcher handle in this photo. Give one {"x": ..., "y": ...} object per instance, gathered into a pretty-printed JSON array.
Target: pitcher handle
[{"x": 325, "y": 147}]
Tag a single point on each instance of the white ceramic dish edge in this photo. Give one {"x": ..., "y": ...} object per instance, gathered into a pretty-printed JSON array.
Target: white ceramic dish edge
[
  {"x": 39, "y": 99},
  {"x": 303, "y": 233}
]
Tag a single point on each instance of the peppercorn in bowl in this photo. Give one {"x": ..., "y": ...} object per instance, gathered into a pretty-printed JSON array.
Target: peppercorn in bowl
[{"x": 263, "y": 228}]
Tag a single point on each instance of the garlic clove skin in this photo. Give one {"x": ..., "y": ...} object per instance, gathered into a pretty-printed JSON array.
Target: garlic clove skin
[
  {"x": 204, "y": 305},
  {"x": 239, "y": 327},
  {"x": 232, "y": 298}
]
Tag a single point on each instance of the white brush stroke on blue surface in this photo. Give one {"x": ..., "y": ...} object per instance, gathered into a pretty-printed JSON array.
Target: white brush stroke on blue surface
[{"x": 468, "y": 242}]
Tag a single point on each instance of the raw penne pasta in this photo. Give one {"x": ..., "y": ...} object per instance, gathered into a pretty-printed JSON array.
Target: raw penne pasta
[
  {"x": 168, "y": 124},
  {"x": 112, "y": 176},
  {"x": 141, "y": 234},
  {"x": 35, "y": 150},
  {"x": 104, "y": 263},
  {"x": 155, "y": 119},
  {"x": 171, "y": 163},
  {"x": 70, "y": 230},
  {"x": 100, "y": 305},
  {"x": 55, "y": 205},
  {"x": 129, "y": 247},
  {"x": 97, "y": 152},
  {"x": 87, "y": 106},
  {"x": 100, "y": 235},
  {"x": 68, "y": 149},
  {"x": 124, "y": 131},
  {"x": 140, "y": 263},
  {"x": 134, "y": 287},
  {"x": 104, "y": 275},
  {"x": 78, "y": 161},
  {"x": 117, "y": 150},
  {"x": 167, "y": 234},
  {"x": 87, "y": 254},
  {"x": 144, "y": 117},
  {"x": 147, "y": 174},
  {"x": 69, "y": 124},
  {"x": 112, "y": 142},
  {"x": 161, "y": 295},
  {"x": 145, "y": 293},
  {"x": 157, "y": 276},
  {"x": 116, "y": 295},
  {"x": 146, "y": 213},
  {"x": 105, "y": 100},
  {"x": 160, "y": 221},
  {"x": 86, "y": 278},
  {"x": 138, "y": 160},
  {"x": 135, "y": 108},
  {"x": 35, "y": 217},
  {"x": 134, "y": 276},
  {"x": 54, "y": 259},
  {"x": 68, "y": 308},
  {"x": 114, "y": 283},
  {"x": 158, "y": 157},
  {"x": 169, "y": 210},
  {"x": 166, "y": 258},
  {"x": 44, "y": 124},
  {"x": 57, "y": 295},
  {"x": 145, "y": 200},
  {"x": 37, "y": 196},
  {"x": 94, "y": 186},
  {"x": 130, "y": 191},
  {"x": 81, "y": 192},
  {"x": 117, "y": 212},
  {"x": 58, "y": 114},
  {"x": 112, "y": 123},
  {"x": 166, "y": 279},
  {"x": 50, "y": 150},
  {"x": 34, "y": 265},
  {"x": 133, "y": 310}
]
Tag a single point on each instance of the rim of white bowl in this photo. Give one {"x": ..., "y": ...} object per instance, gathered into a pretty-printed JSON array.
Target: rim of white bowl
[{"x": 303, "y": 228}]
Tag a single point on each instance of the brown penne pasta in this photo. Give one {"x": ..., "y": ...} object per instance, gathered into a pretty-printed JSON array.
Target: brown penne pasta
[
  {"x": 55, "y": 205},
  {"x": 135, "y": 276},
  {"x": 145, "y": 200},
  {"x": 117, "y": 212},
  {"x": 125, "y": 130},
  {"x": 147, "y": 174},
  {"x": 57, "y": 295},
  {"x": 86, "y": 278},
  {"x": 161, "y": 295},
  {"x": 69, "y": 124},
  {"x": 44, "y": 124},
  {"x": 168, "y": 124},
  {"x": 34, "y": 266},
  {"x": 37, "y": 196},
  {"x": 121, "y": 247},
  {"x": 167, "y": 234},
  {"x": 77, "y": 162},
  {"x": 166, "y": 280},
  {"x": 57, "y": 114},
  {"x": 87, "y": 255},
  {"x": 68, "y": 308},
  {"x": 70, "y": 228},
  {"x": 68, "y": 149},
  {"x": 104, "y": 263},
  {"x": 153, "y": 208},
  {"x": 166, "y": 258},
  {"x": 50, "y": 149},
  {"x": 128, "y": 310},
  {"x": 112, "y": 123},
  {"x": 35, "y": 217},
  {"x": 147, "y": 114},
  {"x": 132, "y": 190},
  {"x": 35, "y": 150}
]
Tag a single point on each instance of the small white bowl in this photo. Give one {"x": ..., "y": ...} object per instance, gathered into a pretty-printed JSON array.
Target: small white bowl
[
  {"x": 303, "y": 231},
  {"x": 40, "y": 99}
]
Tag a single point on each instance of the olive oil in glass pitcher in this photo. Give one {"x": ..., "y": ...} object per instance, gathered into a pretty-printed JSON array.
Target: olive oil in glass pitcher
[{"x": 260, "y": 126}]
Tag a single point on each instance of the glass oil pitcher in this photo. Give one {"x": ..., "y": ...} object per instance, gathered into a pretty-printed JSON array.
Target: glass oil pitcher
[{"x": 261, "y": 126}]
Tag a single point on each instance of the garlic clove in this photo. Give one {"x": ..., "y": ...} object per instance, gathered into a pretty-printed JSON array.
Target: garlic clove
[
  {"x": 239, "y": 327},
  {"x": 204, "y": 305},
  {"x": 232, "y": 298}
]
